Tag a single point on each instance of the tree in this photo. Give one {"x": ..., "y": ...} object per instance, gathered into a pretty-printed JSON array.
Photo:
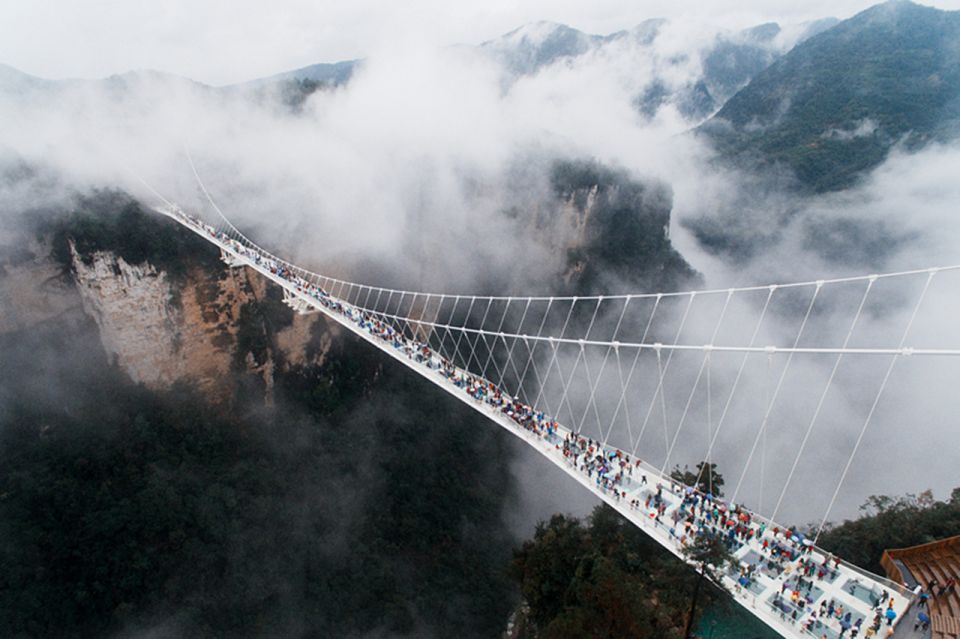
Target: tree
[
  {"x": 709, "y": 553},
  {"x": 603, "y": 579},
  {"x": 892, "y": 522},
  {"x": 546, "y": 566},
  {"x": 706, "y": 479}
]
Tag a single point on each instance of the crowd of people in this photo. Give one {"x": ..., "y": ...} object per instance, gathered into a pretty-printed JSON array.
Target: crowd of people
[
  {"x": 832, "y": 611},
  {"x": 683, "y": 511}
]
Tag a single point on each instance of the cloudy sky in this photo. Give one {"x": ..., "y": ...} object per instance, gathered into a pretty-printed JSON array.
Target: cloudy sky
[
  {"x": 223, "y": 41},
  {"x": 349, "y": 166}
]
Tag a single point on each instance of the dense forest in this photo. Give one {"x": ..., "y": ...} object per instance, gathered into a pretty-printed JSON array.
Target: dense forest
[
  {"x": 346, "y": 508},
  {"x": 604, "y": 577},
  {"x": 834, "y": 106},
  {"x": 361, "y": 503},
  {"x": 355, "y": 500},
  {"x": 893, "y": 522},
  {"x": 600, "y": 578},
  {"x": 110, "y": 220},
  {"x": 124, "y": 508}
]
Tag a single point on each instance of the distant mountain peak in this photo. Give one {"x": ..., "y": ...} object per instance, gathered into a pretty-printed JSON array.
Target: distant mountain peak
[
  {"x": 130, "y": 80},
  {"x": 894, "y": 9},
  {"x": 763, "y": 32},
  {"x": 15, "y": 82},
  {"x": 645, "y": 32},
  {"x": 536, "y": 32},
  {"x": 539, "y": 44},
  {"x": 323, "y": 73},
  {"x": 139, "y": 75},
  {"x": 895, "y": 65},
  {"x": 11, "y": 74}
]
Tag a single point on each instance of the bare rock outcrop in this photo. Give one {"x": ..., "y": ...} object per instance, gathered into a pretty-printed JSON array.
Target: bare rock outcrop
[{"x": 160, "y": 331}]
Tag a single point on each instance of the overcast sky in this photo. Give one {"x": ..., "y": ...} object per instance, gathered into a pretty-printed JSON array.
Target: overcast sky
[{"x": 224, "y": 41}]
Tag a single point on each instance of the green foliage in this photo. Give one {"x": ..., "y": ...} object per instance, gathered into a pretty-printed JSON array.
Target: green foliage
[
  {"x": 109, "y": 220},
  {"x": 893, "y": 522},
  {"x": 123, "y": 508},
  {"x": 294, "y": 88},
  {"x": 547, "y": 565},
  {"x": 895, "y": 65},
  {"x": 294, "y": 93},
  {"x": 706, "y": 479},
  {"x": 602, "y": 579},
  {"x": 626, "y": 245},
  {"x": 712, "y": 554},
  {"x": 258, "y": 323}
]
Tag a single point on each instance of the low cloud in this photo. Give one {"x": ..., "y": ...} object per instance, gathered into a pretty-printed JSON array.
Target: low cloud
[
  {"x": 864, "y": 128},
  {"x": 406, "y": 175}
]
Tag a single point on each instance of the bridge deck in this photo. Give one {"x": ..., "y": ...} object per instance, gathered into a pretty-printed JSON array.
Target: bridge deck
[{"x": 769, "y": 559}]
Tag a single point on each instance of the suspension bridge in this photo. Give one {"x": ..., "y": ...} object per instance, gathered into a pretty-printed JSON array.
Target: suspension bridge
[{"x": 613, "y": 389}]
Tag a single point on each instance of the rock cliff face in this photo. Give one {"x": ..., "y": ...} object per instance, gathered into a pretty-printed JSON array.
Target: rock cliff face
[
  {"x": 615, "y": 231},
  {"x": 200, "y": 327},
  {"x": 168, "y": 310},
  {"x": 160, "y": 331},
  {"x": 133, "y": 308}
]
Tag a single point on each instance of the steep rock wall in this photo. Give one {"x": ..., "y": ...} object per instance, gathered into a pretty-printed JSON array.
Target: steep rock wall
[{"x": 160, "y": 331}]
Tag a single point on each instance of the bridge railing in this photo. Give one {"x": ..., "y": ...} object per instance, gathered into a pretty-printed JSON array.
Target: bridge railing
[
  {"x": 231, "y": 240},
  {"x": 320, "y": 280}
]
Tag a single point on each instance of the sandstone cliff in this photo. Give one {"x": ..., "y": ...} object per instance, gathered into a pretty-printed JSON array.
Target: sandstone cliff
[
  {"x": 160, "y": 331},
  {"x": 200, "y": 327}
]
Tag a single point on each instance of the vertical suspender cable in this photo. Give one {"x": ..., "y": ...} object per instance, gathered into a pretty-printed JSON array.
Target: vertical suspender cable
[
  {"x": 763, "y": 444},
  {"x": 553, "y": 357},
  {"x": 624, "y": 385},
  {"x": 823, "y": 396},
  {"x": 473, "y": 344},
  {"x": 776, "y": 392},
  {"x": 876, "y": 400},
  {"x": 593, "y": 390},
  {"x": 663, "y": 370},
  {"x": 709, "y": 427},
  {"x": 532, "y": 350},
  {"x": 706, "y": 360},
  {"x": 483, "y": 371},
  {"x": 466, "y": 320},
  {"x": 502, "y": 381},
  {"x": 580, "y": 355}
]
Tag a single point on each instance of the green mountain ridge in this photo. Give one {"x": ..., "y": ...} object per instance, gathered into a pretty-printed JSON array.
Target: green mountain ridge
[{"x": 833, "y": 107}]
